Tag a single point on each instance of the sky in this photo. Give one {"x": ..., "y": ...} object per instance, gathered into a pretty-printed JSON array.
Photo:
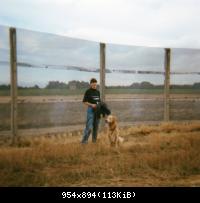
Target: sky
[
  {"x": 51, "y": 32},
  {"x": 157, "y": 23}
]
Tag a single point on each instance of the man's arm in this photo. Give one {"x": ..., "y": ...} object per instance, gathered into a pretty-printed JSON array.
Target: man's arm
[{"x": 90, "y": 104}]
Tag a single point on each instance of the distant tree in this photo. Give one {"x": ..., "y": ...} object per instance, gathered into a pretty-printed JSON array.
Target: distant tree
[
  {"x": 196, "y": 85},
  {"x": 78, "y": 84},
  {"x": 36, "y": 87},
  {"x": 73, "y": 84},
  {"x": 142, "y": 85},
  {"x": 135, "y": 85},
  {"x": 56, "y": 85},
  {"x": 4, "y": 87},
  {"x": 146, "y": 85}
]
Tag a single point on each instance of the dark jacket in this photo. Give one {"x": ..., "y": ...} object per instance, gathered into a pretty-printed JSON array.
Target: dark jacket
[{"x": 102, "y": 109}]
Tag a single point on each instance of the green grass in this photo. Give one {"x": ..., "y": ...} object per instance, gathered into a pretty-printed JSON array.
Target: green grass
[
  {"x": 67, "y": 92},
  {"x": 49, "y": 92},
  {"x": 134, "y": 91}
]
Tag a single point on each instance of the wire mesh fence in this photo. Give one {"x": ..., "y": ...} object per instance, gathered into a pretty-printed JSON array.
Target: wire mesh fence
[
  {"x": 5, "y": 108},
  {"x": 53, "y": 72}
]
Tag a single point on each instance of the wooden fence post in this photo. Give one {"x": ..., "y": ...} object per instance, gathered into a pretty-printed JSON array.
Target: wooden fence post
[
  {"x": 102, "y": 70},
  {"x": 13, "y": 82},
  {"x": 167, "y": 85},
  {"x": 102, "y": 78}
]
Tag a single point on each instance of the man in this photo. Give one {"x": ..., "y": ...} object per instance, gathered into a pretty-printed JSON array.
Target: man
[{"x": 91, "y": 99}]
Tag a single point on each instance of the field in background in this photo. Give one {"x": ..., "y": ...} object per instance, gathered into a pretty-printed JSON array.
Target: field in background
[
  {"x": 55, "y": 111},
  {"x": 158, "y": 155},
  {"x": 68, "y": 92}
]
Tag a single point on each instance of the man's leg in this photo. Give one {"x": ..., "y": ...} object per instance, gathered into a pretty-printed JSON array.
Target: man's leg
[
  {"x": 95, "y": 129},
  {"x": 89, "y": 126}
]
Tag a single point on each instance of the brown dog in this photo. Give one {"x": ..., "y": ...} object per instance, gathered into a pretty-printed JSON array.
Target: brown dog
[{"x": 113, "y": 131}]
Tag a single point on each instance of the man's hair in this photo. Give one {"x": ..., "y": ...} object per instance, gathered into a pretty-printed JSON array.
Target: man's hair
[{"x": 93, "y": 80}]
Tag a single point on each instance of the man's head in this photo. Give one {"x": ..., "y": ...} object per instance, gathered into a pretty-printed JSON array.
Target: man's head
[{"x": 93, "y": 83}]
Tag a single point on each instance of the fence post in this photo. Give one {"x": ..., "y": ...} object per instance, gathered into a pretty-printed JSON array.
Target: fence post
[
  {"x": 13, "y": 82},
  {"x": 102, "y": 70},
  {"x": 167, "y": 85},
  {"x": 102, "y": 78}
]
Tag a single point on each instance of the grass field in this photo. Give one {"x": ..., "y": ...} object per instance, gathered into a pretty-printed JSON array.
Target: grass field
[
  {"x": 161, "y": 155},
  {"x": 67, "y": 92}
]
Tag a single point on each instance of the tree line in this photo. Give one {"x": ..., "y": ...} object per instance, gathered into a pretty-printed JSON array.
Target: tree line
[{"x": 81, "y": 84}]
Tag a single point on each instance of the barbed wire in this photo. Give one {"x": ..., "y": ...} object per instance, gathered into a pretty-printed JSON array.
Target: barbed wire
[{"x": 92, "y": 69}]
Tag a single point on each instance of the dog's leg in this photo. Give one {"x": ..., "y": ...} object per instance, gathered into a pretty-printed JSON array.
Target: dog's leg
[{"x": 115, "y": 140}]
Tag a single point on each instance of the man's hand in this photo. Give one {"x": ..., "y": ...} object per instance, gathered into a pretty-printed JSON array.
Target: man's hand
[{"x": 93, "y": 106}]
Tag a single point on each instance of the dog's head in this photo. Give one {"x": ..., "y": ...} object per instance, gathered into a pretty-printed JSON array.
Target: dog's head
[{"x": 111, "y": 119}]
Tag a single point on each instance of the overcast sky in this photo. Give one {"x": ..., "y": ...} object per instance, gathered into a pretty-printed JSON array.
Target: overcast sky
[
  {"x": 160, "y": 23},
  {"x": 149, "y": 25}
]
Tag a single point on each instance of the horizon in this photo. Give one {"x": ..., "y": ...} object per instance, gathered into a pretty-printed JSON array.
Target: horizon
[
  {"x": 33, "y": 76},
  {"x": 81, "y": 81}
]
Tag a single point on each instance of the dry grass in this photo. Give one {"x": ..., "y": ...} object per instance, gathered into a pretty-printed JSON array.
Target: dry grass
[{"x": 162, "y": 155}]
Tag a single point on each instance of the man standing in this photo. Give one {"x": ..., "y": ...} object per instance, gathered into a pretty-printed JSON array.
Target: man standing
[{"x": 91, "y": 99}]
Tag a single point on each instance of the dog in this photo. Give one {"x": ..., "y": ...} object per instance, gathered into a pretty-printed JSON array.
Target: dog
[{"x": 113, "y": 131}]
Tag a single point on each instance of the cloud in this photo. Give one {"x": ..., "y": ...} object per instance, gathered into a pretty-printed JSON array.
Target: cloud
[
  {"x": 185, "y": 60},
  {"x": 150, "y": 23},
  {"x": 41, "y": 48},
  {"x": 48, "y": 49},
  {"x": 134, "y": 57},
  {"x": 4, "y": 44},
  {"x": 4, "y": 38},
  {"x": 157, "y": 23}
]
